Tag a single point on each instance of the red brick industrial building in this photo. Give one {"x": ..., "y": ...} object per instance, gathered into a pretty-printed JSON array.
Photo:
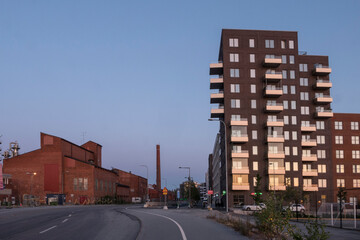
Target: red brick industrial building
[{"x": 62, "y": 167}]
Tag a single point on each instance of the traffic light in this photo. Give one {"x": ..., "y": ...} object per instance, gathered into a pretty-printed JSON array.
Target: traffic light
[
  {"x": 257, "y": 193},
  {"x": 224, "y": 192}
]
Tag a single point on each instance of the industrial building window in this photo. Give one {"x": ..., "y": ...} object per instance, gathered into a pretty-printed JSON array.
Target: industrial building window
[
  {"x": 283, "y": 59},
  {"x": 339, "y": 154},
  {"x": 291, "y": 44},
  {"x": 251, "y": 42},
  {"x": 75, "y": 184},
  {"x": 354, "y": 125},
  {"x": 81, "y": 184},
  {"x": 356, "y": 168},
  {"x": 303, "y": 67},
  {"x": 321, "y": 154},
  {"x": 233, "y": 42},
  {"x": 322, "y": 168},
  {"x": 339, "y": 168},
  {"x": 339, "y": 140},
  {"x": 292, "y": 74},
  {"x": 252, "y": 58},
  {"x": 235, "y": 103},
  {"x": 252, "y": 73},
  {"x": 235, "y": 88},
  {"x": 284, "y": 74},
  {"x": 304, "y": 82},
  {"x": 234, "y": 57},
  {"x": 355, "y": 154},
  {"x": 322, "y": 183},
  {"x": 354, "y": 139},
  {"x": 283, "y": 44},
  {"x": 234, "y": 73},
  {"x": 340, "y": 182},
  {"x": 291, "y": 59},
  {"x": 320, "y": 125},
  {"x": 338, "y": 125},
  {"x": 269, "y": 43}
]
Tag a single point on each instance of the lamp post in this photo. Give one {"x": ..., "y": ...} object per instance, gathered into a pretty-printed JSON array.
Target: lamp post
[
  {"x": 226, "y": 164},
  {"x": 31, "y": 182},
  {"x": 147, "y": 182},
  {"x": 189, "y": 185}
]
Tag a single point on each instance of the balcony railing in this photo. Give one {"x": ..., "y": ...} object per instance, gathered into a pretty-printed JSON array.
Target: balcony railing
[
  {"x": 322, "y": 84},
  {"x": 216, "y": 68},
  {"x": 272, "y": 61},
  {"x": 239, "y": 122},
  {"x": 321, "y": 70},
  {"x": 324, "y": 113},
  {"x": 308, "y": 142},
  {"x": 323, "y": 99},
  {"x": 308, "y": 127},
  {"x": 310, "y": 187},
  {"x": 275, "y": 138},
  {"x": 309, "y": 157},
  {"x": 310, "y": 172}
]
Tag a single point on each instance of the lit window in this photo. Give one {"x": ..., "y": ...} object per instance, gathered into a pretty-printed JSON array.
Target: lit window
[
  {"x": 322, "y": 168},
  {"x": 340, "y": 182},
  {"x": 322, "y": 183},
  {"x": 255, "y": 150},
  {"x": 339, "y": 168},
  {"x": 320, "y": 139},
  {"x": 356, "y": 168},
  {"x": 355, "y": 154},
  {"x": 356, "y": 183},
  {"x": 296, "y": 182},
  {"x": 287, "y": 166},
  {"x": 295, "y": 153},
  {"x": 255, "y": 166},
  {"x": 287, "y": 150}
]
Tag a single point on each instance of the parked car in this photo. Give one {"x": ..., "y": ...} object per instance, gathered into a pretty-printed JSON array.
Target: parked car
[
  {"x": 292, "y": 208},
  {"x": 253, "y": 207}
]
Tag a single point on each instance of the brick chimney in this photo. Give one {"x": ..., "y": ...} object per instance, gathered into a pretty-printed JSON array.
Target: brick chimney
[{"x": 158, "y": 169}]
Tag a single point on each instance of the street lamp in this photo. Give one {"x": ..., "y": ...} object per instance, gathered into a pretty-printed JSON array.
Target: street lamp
[
  {"x": 147, "y": 182},
  {"x": 226, "y": 164},
  {"x": 31, "y": 182},
  {"x": 189, "y": 185}
]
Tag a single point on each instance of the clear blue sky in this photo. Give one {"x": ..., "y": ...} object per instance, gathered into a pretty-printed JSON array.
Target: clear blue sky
[{"x": 133, "y": 74}]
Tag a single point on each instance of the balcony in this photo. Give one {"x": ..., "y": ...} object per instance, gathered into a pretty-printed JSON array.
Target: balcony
[
  {"x": 277, "y": 187},
  {"x": 322, "y": 84},
  {"x": 239, "y": 122},
  {"x": 240, "y": 186},
  {"x": 274, "y": 107},
  {"x": 275, "y": 123},
  {"x": 276, "y": 171},
  {"x": 309, "y": 172},
  {"x": 217, "y": 112},
  {"x": 276, "y": 155},
  {"x": 272, "y": 62},
  {"x": 273, "y": 92},
  {"x": 275, "y": 138},
  {"x": 311, "y": 188},
  {"x": 308, "y": 143},
  {"x": 275, "y": 76},
  {"x": 243, "y": 170},
  {"x": 324, "y": 114},
  {"x": 240, "y": 154},
  {"x": 239, "y": 138},
  {"x": 216, "y": 68},
  {"x": 323, "y": 100},
  {"x": 309, "y": 158},
  {"x": 216, "y": 83},
  {"x": 320, "y": 70},
  {"x": 217, "y": 97},
  {"x": 308, "y": 128}
]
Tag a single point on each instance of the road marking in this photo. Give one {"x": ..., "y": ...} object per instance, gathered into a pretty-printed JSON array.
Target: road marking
[
  {"x": 69, "y": 215},
  {"x": 65, "y": 220},
  {"x": 48, "y": 229},
  {"x": 177, "y": 224}
]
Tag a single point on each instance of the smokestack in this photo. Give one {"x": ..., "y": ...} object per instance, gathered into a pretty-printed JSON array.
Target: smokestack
[{"x": 158, "y": 169}]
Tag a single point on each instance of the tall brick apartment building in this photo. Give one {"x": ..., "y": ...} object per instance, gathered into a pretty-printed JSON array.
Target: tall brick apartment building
[
  {"x": 275, "y": 103},
  {"x": 62, "y": 167}
]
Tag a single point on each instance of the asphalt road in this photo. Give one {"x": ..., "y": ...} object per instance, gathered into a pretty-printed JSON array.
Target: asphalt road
[{"x": 110, "y": 222}]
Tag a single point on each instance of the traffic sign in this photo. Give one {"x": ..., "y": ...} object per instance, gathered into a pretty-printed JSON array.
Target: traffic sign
[
  {"x": 210, "y": 192},
  {"x": 165, "y": 191}
]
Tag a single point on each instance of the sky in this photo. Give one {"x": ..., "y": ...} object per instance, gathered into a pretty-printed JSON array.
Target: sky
[{"x": 132, "y": 74}]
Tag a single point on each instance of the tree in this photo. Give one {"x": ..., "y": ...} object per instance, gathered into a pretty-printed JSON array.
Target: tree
[
  {"x": 342, "y": 198},
  {"x": 257, "y": 194}
]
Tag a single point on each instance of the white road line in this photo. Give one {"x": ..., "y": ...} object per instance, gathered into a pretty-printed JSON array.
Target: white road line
[
  {"x": 177, "y": 224},
  {"x": 65, "y": 220},
  {"x": 48, "y": 229}
]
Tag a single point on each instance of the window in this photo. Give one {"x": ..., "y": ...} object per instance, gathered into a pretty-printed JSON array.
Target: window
[
  {"x": 286, "y": 120},
  {"x": 75, "y": 184},
  {"x": 269, "y": 43},
  {"x": 255, "y": 150},
  {"x": 355, "y": 154},
  {"x": 293, "y": 120},
  {"x": 234, "y": 73},
  {"x": 338, "y": 125},
  {"x": 283, "y": 44},
  {"x": 255, "y": 166},
  {"x": 292, "y": 74},
  {"x": 288, "y": 181},
  {"x": 284, "y": 74},
  {"x": 235, "y": 88},
  {"x": 293, "y": 105},
  {"x": 292, "y": 89},
  {"x": 254, "y": 134},
  {"x": 252, "y": 73},
  {"x": 252, "y": 58},
  {"x": 253, "y": 88},
  {"x": 295, "y": 166},
  {"x": 304, "y": 96},
  {"x": 356, "y": 183},
  {"x": 251, "y": 43},
  {"x": 233, "y": 42},
  {"x": 320, "y": 139},
  {"x": 291, "y": 44},
  {"x": 287, "y": 151},
  {"x": 339, "y": 140},
  {"x": 304, "y": 82},
  {"x": 234, "y": 57},
  {"x": 286, "y": 135},
  {"x": 286, "y": 104},
  {"x": 322, "y": 183},
  {"x": 291, "y": 59},
  {"x": 305, "y": 110},
  {"x": 287, "y": 166},
  {"x": 354, "y": 125},
  {"x": 339, "y": 168},
  {"x": 322, "y": 168},
  {"x": 321, "y": 154},
  {"x": 354, "y": 139},
  {"x": 235, "y": 103},
  {"x": 81, "y": 184},
  {"x": 356, "y": 168},
  {"x": 253, "y": 119},
  {"x": 339, "y": 154},
  {"x": 283, "y": 59},
  {"x": 253, "y": 104},
  {"x": 96, "y": 185},
  {"x": 303, "y": 67},
  {"x": 340, "y": 182},
  {"x": 320, "y": 125},
  {"x": 285, "y": 89},
  {"x": 353, "y": 200},
  {"x": 294, "y": 135},
  {"x": 296, "y": 182},
  {"x": 295, "y": 153}
]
